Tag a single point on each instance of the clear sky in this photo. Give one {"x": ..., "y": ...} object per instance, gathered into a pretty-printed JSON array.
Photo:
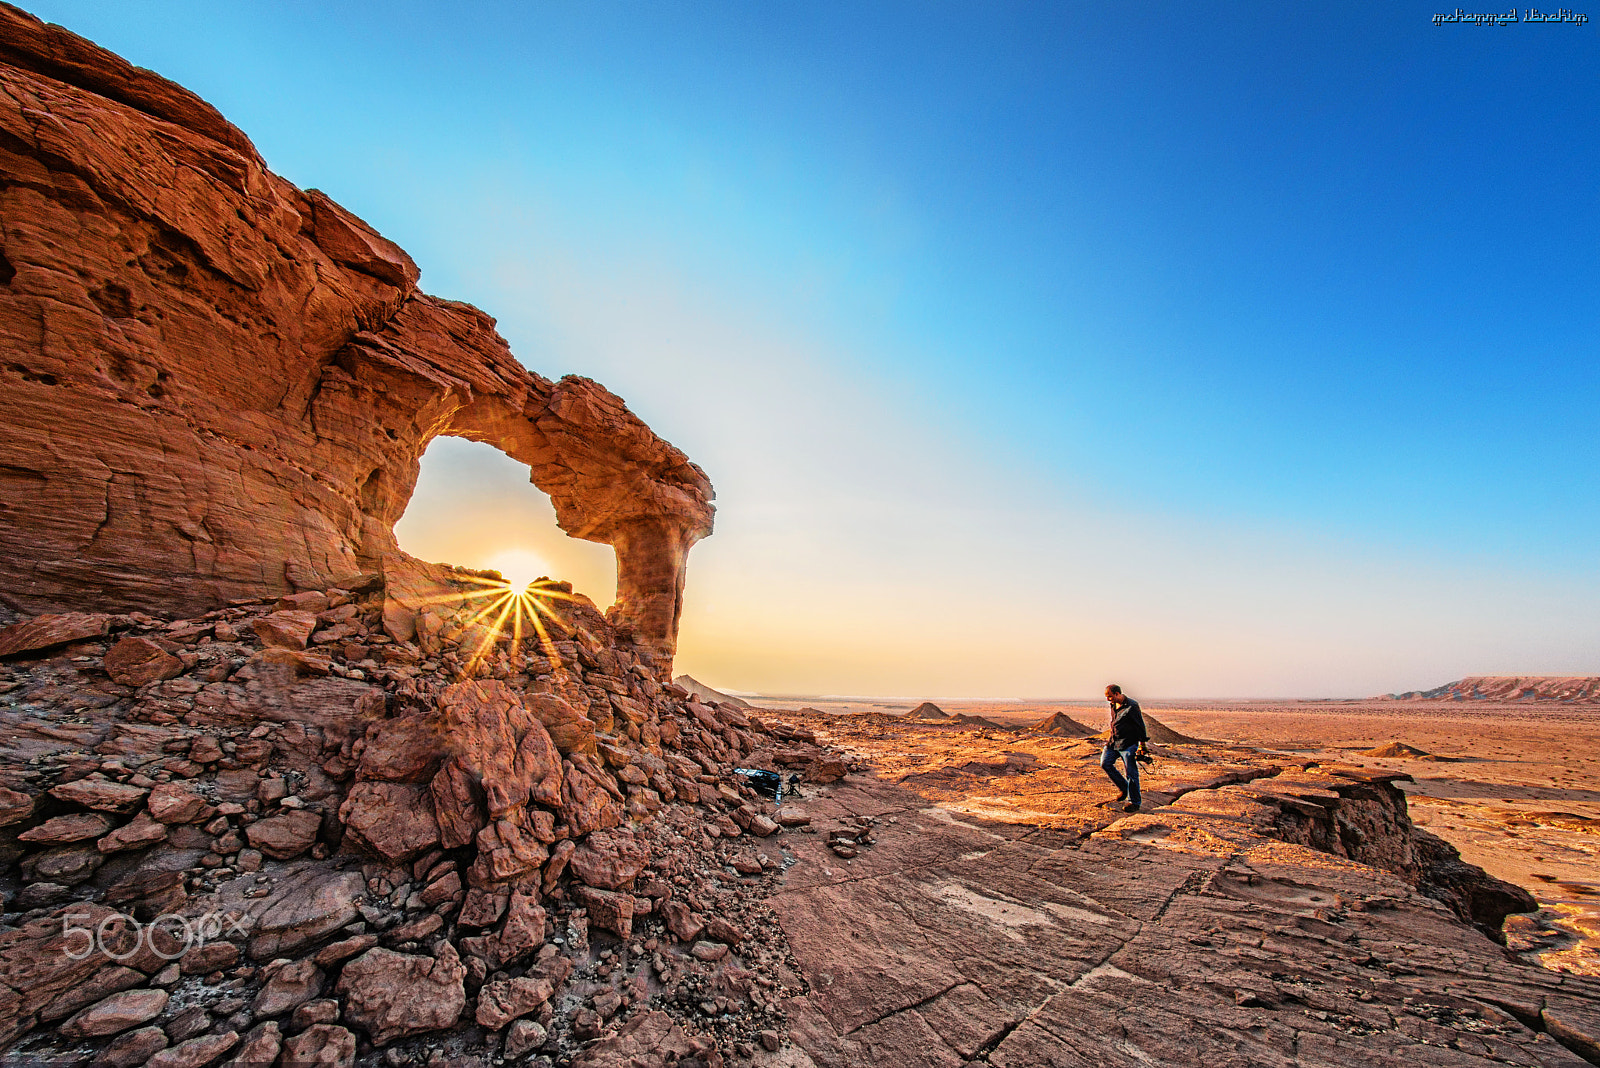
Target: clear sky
[{"x": 1230, "y": 351}]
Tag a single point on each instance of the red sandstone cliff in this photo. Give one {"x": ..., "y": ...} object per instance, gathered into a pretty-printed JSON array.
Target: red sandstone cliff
[{"x": 216, "y": 385}]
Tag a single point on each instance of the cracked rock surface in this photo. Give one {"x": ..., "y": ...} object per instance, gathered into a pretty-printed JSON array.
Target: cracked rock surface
[{"x": 1268, "y": 918}]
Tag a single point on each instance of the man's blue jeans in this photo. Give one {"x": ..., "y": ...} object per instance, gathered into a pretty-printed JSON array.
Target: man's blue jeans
[{"x": 1129, "y": 784}]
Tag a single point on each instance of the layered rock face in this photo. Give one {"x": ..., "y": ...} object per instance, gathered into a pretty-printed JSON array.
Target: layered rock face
[{"x": 216, "y": 385}]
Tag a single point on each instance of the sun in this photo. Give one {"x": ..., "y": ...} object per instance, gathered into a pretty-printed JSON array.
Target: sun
[{"x": 521, "y": 567}]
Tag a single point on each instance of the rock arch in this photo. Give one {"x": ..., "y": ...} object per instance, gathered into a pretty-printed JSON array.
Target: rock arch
[{"x": 245, "y": 412}]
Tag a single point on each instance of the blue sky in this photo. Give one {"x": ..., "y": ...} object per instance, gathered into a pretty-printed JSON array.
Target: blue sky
[{"x": 1278, "y": 329}]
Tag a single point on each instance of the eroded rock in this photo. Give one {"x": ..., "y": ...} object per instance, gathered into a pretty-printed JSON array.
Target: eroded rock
[
  {"x": 287, "y": 465},
  {"x": 391, "y": 995}
]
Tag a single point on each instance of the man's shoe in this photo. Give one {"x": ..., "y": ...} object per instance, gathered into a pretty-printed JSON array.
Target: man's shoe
[{"x": 1130, "y": 807}]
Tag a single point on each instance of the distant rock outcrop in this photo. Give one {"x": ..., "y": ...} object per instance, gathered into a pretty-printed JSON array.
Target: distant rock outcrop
[
  {"x": 216, "y": 385},
  {"x": 1578, "y": 689},
  {"x": 706, "y": 693},
  {"x": 927, "y": 710},
  {"x": 1159, "y": 732},
  {"x": 976, "y": 721},
  {"x": 1394, "y": 749},
  {"x": 1062, "y": 725}
]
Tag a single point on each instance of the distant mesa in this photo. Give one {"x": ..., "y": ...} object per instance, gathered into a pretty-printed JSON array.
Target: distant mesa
[
  {"x": 1061, "y": 725},
  {"x": 1572, "y": 689},
  {"x": 927, "y": 710},
  {"x": 706, "y": 693}
]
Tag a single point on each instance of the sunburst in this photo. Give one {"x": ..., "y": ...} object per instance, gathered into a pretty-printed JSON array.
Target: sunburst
[{"x": 511, "y": 612}]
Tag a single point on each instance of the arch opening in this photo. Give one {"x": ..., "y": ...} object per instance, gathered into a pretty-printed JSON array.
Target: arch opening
[{"x": 476, "y": 507}]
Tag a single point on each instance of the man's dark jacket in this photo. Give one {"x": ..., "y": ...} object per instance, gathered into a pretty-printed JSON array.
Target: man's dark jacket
[{"x": 1127, "y": 724}]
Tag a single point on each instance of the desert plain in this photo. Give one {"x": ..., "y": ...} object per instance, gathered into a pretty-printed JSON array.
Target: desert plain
[
  {"x": 274, "y": 791},
  {"x": 1514, "y": 786}
]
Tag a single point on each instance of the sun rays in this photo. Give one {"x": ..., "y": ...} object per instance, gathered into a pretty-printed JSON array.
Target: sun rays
[{"x": 505, "y": 611}]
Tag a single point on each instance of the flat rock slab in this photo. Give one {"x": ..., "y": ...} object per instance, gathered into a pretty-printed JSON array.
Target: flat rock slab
[{"x": 1176, "y": 936}]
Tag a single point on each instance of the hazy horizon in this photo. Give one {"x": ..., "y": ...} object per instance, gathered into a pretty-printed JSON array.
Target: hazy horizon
[{"x": 1028, "y": 347}]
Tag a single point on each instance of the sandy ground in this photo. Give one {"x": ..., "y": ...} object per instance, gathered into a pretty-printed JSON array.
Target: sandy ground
[{"x": 1515, "y": 788}]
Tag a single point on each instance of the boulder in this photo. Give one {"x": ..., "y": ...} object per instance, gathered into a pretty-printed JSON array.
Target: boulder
[
  {"x": 196, "y": 1052},
  {"x": 131, "y": 1049},
  {"x": 608, "y": 862},
  {"x": 15, "y": 806},
  {"x": 500, "y": 1003},
  {"x": 51, "y": 629},
  {"x": 77, "y": 827},
  {"x": 307, "y": 913},
  {"x": 607, "y": 910},
  {"x": 116, "y": 1013},
  {"x": 391, "y": 820},
  {"x": 285, "y": 836},
  {"x": 67, "y": 865},
  {"x": 502, "y": 738},
  {"x": 571, "y": 732},
  {"x": 173, "y": 803},
  {"x": 391, "y": 995},
  {"x": 289, "y": 985},
  {"x": 585, "y": 801},
  {"x": 46, "y": 957},
  {"x": 408, "y": 749},
  {"x": 825, "y": 770},
  {"x": 524, "y": 1035},
  {"x": 260, "y": 1047},
  {"x": 522, "y": 933},
  {"x": 135, "y": 661},
  {"x": 99, "y": 986},
  {"x": 101, "y": 794},
  {"x": 209, "y": 957},
  {"x": 320, "y": 1045},
  {"x": 138, "y": 833},
  {"x": 285, "y": 630}
]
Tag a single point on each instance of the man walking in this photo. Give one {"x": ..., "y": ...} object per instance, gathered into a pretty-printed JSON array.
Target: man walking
[{"x": 1127, "y": 734}]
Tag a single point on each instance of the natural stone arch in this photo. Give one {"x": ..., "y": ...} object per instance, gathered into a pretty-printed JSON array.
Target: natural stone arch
[
  {"x": 609, "y": 477},
  {"x": 216, "y": 385},
  {"x": 474, "y": 506}
]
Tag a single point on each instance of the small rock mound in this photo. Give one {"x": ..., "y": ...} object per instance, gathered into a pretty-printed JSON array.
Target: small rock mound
[
  {"x": 1061, "y": 725},
  {"x": 976, "y": 721},
  {"x": 1395, "y": 749},
  {"x": 927, "y": 710},
  {"x": 1160, "y": 733}
]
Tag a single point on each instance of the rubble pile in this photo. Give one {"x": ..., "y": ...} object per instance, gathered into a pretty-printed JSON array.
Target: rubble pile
[{"x": 369, "y": 823}]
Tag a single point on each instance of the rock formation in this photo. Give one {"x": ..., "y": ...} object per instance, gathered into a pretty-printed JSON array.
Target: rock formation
[
  {"x": 1061, "y": 725},
  {"x": 1395, "y": 749},
  {"x": 360, "y": 843},
  {"x": 1581, "y": 689},
  {"x": 398, "y": 813},
  {"x": 696, "y": 688},
  {"x": 216, "y": 385},
  {"x": 927, "y": 710},
  {"x": 1158, "y": 732}
]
